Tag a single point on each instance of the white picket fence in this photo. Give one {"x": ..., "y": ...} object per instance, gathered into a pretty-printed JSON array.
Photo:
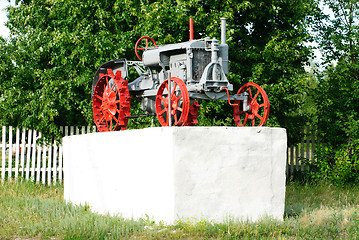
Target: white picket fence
[
  {"x": 23, "y": 157},
  {"x": 300, "y": 154}
]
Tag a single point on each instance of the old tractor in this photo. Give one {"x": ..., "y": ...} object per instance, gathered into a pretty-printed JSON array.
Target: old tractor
[{"x": 171, "y": 79}]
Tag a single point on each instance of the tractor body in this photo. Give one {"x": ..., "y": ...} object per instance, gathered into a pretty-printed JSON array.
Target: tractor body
[{"x": 192, "y": 70}]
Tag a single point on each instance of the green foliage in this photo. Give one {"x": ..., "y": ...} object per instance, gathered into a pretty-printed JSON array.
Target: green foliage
[
  {"x": 339, "y": 164},
  {"x": 338, "y": 36},
  {"x": 336, "y": 96},
  {"x": 338, "y": 104},
  {"x": 56, "y": 46},
  {"x": 338, "y": 101},
  {"x": 215, "y": 113}
]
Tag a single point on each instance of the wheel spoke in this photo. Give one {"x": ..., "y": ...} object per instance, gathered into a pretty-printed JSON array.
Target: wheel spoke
[
  {"x": 179, "y": 109},
  {"x": 253, "y": 122},
  {"x": 107, "y": 83},
  {"x": 262, "y": 105},
  {"x": 162, "y": 99},
  {"x": 163, "y": 111},
  {"x": 95, "y": 95},
  {"x": 113, "y": 86},
  {"x": 176, "y": 119},
  {"x": 101, "y": 120},
  {"x": 250, "y": 92},
  {"x": 114, "y": 118},
  {"x": 166, "y": 85},
  {"x": 174, "y": 88},
  {"x": 245, "y": 119},
  {"x": 258, "y": 116},
  {"x": 107, "y": 124},
  {"x": 255, "y": 97}
]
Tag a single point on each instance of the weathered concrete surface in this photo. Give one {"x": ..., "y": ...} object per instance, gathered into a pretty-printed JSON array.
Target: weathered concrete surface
[{"x": 176, "y": 173}]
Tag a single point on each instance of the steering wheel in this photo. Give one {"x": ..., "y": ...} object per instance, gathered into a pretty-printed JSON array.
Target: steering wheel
[{"x": 146, "y": 38}]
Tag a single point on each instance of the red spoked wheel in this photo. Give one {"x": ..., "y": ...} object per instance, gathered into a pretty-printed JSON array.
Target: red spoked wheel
[
  {"x": 258, "y": 102},
  {"x": 179, "y": 103},
  {"x": 111, "y": 102},
  {"x": 146, "y": 38}
]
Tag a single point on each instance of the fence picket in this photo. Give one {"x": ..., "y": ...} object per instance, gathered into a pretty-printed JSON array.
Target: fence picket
[
  {"x": 291, "y": 159},
  {"x": 54, "y": 163},
  {"x": 313, "y": 144},
  {"x": 301, "y": 151},
  {"x": 9, "y": 166},
  {"x": 28, "y": 152},
  {"x": 60, "y": 164},
  {"x": 38, "y": 161},
  {"x": 43, "y": 169},
  {"x": 33, "y": 155},
  {"x": 3, "y": 151},
  {"x": 22, "y": 153},
  {"x": 17, "y": 149},
  {"x": 49, "y": 158}
]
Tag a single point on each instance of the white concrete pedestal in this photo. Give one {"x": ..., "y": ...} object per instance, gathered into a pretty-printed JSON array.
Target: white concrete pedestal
[{"x": 176, "y": 173}]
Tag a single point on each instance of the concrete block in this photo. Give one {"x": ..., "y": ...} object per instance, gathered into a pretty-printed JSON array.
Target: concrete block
[{"x": 212, "y": 173}]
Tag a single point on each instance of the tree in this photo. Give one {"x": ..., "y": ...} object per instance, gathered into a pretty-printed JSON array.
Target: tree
[
  {"x": 337, "y": 95},
  {"x": 338, "y": 34},
  {"x": 56, "y": 51},
  {"x": 56, "y": 47}
]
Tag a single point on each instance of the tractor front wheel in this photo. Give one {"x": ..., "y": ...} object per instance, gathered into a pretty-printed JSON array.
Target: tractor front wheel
[
  {"x": 178, "y": 108},
  {"x": 258, "y": 103}
]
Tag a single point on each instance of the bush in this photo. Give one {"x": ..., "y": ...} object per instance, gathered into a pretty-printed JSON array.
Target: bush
[{"x": 339, "y": 165}]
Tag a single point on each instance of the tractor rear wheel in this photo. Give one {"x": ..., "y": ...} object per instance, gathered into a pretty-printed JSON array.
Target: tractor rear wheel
[{"x": 111, "y": 102}]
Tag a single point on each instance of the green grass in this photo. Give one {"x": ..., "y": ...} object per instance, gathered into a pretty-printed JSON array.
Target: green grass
[{"x": 34, "y": 211}]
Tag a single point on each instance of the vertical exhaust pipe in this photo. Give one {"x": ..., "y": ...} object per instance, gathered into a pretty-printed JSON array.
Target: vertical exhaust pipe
[
  {"x": 223, "y": 30},
  {"x": 223, "y": 53},
  {"x": 190, "y": 28}
]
